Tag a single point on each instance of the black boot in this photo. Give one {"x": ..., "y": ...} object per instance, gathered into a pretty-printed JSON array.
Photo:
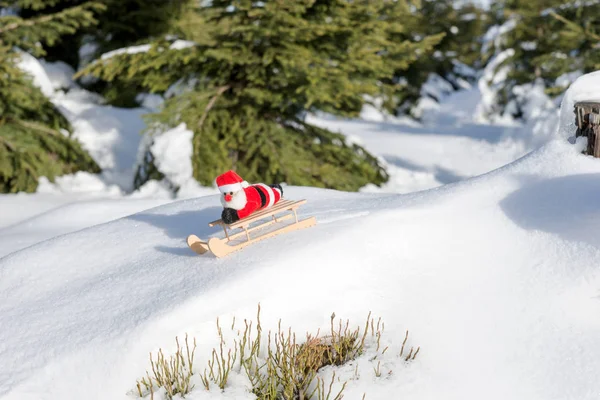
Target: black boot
[
  {"x": 229, "y": 216},
  {"x": 277, "y": 186}
]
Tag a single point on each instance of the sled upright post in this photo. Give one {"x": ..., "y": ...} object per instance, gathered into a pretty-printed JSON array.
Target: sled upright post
[{"x": 228, "y": 244}]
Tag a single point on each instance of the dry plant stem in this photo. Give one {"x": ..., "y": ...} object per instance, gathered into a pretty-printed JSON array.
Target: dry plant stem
[
  {"x": 174, "y": 374},
  {"x": 362, "y": 341},
  {"x": 403, "y": 343},
  {"x": 321, "y": 389},
  {"x": 378, "y": 370},
  {"x": 288, "y": 369},
  {"x": 416, "y": 352}
]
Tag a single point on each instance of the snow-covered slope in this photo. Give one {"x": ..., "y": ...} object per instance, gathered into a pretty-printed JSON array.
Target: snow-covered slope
[
  {"x": 68, "y": 217},
  {"x": 495, "y": 277},
  {"x": 423, "y": 156}
]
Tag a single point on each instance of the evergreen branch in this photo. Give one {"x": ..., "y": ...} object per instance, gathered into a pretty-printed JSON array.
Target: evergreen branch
[
  {"x": 8, "y": 144},
  {"x": 211, "y": 103},
  {"x": 47, "y": 18},
  {"x": 574, "y": 26},
  {"x": 26, "y": 23},
  {"x": 34, "y": 126}
]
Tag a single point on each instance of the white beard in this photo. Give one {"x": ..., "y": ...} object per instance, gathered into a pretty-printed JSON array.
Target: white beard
[{"x": 238, "y": 200}]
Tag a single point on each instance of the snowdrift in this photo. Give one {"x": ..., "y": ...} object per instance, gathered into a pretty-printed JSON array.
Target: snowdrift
[{"x": 495, "y": 277}]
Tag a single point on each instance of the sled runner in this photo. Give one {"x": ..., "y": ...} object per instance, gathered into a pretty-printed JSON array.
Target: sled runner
[{"x": 232, "y": 242}]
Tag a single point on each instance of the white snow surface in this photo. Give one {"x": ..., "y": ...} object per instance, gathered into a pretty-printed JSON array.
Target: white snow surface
[
  {"x": 143, "y": 48},
  {"x": 111, "y": 135},
  {"x": 483, "y": 245},
  {"x": 585, "y": 88},
  {"x": 495, "y": 278},
  {"x": 59, "y": 73},
  {"x": 34, "y": 68},
  {"x": 446, "y": 147},
  {"x": 173, "y": 154}
]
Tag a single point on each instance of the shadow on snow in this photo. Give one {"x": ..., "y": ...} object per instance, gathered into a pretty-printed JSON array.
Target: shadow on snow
[
  {"x": 181, "y": 225},
  {"x": 567, "y": 206}
]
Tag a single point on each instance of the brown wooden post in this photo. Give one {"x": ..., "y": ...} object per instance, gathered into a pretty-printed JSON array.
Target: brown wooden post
[
  {"x": 587, "y": 119},
  {"x": 595, "y": 127}
]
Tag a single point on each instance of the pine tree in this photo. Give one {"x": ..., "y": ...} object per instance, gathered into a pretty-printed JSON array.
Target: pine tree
[
  {"x": 544, "y": 48},
  {"x": 459, "y": 27},
  {"x": 34, "y": 136},
  {"x": 583, "y": 27},
  {"x": 257, "y": 68},
  {"x": 122, "y": 23}
]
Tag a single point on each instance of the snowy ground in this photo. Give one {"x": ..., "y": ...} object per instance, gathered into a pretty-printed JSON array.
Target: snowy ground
[
  {"x": 495, "y": 277},
  {"x": 424, "y": 156},
  {"x": 487, "y": 261},
  {"x": 448, "y": 146}
]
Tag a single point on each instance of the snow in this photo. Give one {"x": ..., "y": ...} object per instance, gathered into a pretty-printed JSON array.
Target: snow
[
  {"x": 181, "y": 44},
  {"x": 506, "y": 304},
  {"x": 566, "y": 79},
  {"x": 173, "y": 154},
  {"x": 33, "y": 67},
  {"x": 72, "y": 216},
  {"x": 79, "y": 182},
  {"x": 483, "y": 246},
  {"x": 445, "y": 148},
  {"x": 585, "y": 88},
  {"x": 87, "y": 52},
  {"x": 111, "y": 135},
  {"x": 495, "y": 34},
  {"x": 150, "y": 101},
  {"x": 492, "y": 79},
  {"x": 143, "y": 48}
]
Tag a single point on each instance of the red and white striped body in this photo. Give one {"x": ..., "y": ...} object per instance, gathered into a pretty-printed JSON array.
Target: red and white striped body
[
  {"x": 258, "y": 197},
  {"x": 251, "y": 198}
]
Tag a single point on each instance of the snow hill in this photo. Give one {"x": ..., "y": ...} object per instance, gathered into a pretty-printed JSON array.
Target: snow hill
[
  {"x": 492, "y": 269},
  {"x": 495, "y": 277}
]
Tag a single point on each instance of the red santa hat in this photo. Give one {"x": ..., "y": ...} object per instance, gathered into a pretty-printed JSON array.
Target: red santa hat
[{"x": 230, "y": 182}]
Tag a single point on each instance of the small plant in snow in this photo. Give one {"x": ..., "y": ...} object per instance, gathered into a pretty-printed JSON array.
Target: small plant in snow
[
  {"x": 173, "y": 375},
  {"x": 219, "y": 366},
  {"x": 278, "y": 365}
]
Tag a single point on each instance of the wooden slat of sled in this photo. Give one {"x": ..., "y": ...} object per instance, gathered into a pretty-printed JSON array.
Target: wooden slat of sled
[
  {"x": 258, "y": 227},
  {"x": 285, "y": 205},
  {"x": 292, "y": 205},
  {"x": 220, "y": 248}
]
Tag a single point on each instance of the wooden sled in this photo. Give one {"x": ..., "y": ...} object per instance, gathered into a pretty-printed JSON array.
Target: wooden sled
[{"x": 227, "y": 245}]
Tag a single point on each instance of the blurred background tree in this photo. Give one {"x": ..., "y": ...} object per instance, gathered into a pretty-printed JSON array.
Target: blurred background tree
[
  {"x": 243, "y": 75},
  {"x": 35, "y": 138},
  {"x": 551, "y": 42},
  {"x": 455, "y": 57},
  {"x": 122, "y": 23},
  {"x": 255, "y": 68}
]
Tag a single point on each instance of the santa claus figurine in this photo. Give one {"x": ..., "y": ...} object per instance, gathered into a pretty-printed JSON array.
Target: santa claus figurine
[{"x": 240, "y": 199}]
